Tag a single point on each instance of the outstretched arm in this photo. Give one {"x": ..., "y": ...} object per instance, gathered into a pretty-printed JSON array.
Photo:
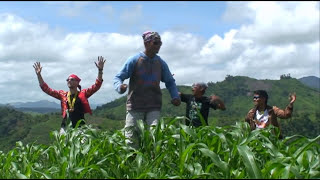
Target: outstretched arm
[
  {"x": 96, "y": 86},
  {"x": 216, "y": 100},
  {"x": 287, "y": 112},
  {"x": 100, "y": 65},
  {"x": 38, "y": 68},
  {"x": 44, "y": 86},
  {"x": 292, "y": 98}
]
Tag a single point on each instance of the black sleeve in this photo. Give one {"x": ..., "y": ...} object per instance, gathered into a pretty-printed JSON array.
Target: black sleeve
[{"x": 184, "y": 97}]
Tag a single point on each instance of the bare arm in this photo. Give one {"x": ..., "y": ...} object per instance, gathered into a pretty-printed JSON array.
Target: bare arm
[
  {"x": 38, "y": 68},
  {"x": 100, "y": 65}
]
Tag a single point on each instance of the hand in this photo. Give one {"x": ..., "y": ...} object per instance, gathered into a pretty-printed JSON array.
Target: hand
[
  {"x": 218, "y": 101},
  {"x": 37, "y": 68},
  {"x": 101, "y": 62},
  {"x": 292, "y": 97},
  {"x": 123, "y": 88},
  {"x": 176, "y": 101},
  {"x": 213, "y": 98}
]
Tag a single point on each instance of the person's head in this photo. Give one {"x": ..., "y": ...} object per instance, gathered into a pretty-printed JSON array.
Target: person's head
[
  {"x": 199, "y": 88},
  {"x": 260, "y": 97},
  {"x": 73, "y": 81},
  {"x": 152, "y": 42}
]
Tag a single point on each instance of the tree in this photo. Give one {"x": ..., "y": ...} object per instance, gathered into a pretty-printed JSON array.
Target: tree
[{"x": 285, "y": 76}]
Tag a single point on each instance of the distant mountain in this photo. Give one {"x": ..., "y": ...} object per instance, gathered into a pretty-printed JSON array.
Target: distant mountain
[
  {"x": 36, "y": 104},
  {"x": 42, "y": 106},
  {"x": 38, "y": 109},
  {"x": 311, "y": 81}
]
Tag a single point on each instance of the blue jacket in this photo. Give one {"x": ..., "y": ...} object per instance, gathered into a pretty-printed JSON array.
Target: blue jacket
[{"x": 144, "y": 86}]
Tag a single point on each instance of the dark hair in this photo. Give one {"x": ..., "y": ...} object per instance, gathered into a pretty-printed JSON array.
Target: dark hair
[
  {"x": 203, "y": 85},
  {"x": 262, "y": 93},
  {"x": 79, "y": 87}
]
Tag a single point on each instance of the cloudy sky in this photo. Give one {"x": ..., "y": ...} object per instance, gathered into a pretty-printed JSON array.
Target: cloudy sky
[{"x": 202, "y": 41}]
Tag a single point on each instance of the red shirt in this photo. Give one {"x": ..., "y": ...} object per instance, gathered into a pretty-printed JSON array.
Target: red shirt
[{"x": 83, "y": 95}]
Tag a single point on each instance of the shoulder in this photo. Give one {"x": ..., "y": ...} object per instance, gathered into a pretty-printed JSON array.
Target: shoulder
[
  {"x": 205, "y": 99},
  {"x": 62, "y": 92},
  {"x": 133, "y": 58},
  {"x": 252, "y": 111},
  {"x": 160, "y": 60}
]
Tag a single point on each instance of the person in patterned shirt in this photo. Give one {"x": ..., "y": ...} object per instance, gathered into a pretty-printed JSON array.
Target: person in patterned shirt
[
  {"x": 198, "y": 103},
  {"x": 262, "y": 115}
]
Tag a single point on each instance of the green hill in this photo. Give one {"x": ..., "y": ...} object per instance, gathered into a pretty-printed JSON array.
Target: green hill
[
  {"x": 311, "y": 81},
  {"x": 236, "y": 92},
  {"x": 15, "y": 125},
  {"x": 237, "y": 95}
]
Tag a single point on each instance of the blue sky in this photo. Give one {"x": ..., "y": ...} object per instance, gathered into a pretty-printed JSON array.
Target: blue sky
[
  {"x": 202, "y": 18},
  {"x": 202, "y": 41}
]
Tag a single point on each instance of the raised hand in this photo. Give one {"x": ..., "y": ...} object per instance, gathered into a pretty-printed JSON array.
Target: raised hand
[
  {"x": 37, "y": 67},
  {"x": 292, "y": 97},
  {"x": 101, "y": 62}
]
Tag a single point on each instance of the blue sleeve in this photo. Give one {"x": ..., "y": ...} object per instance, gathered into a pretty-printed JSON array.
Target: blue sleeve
[
  {"x": 169, "y": 81},
  {"x": 125, "y": 73}
]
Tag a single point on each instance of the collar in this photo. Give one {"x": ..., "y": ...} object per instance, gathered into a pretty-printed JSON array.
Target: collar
[{"x": 147, "y": 58}]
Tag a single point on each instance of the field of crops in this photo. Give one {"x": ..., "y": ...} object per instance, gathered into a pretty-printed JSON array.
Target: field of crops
[{"x": 170, "y": 150}]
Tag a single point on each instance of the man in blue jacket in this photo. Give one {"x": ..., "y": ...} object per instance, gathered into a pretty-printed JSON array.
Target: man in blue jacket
[{"x": 145, "y": 70}]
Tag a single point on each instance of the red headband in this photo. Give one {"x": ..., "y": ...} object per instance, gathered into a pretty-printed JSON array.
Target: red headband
[{"x": 75, "y": 77}]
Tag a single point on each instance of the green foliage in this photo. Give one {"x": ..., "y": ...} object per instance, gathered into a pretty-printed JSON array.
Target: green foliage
[
  {"x": 235, "y": 91},
  {"x": 14, "y": 126},
  {"x": 169, "y": 150}
]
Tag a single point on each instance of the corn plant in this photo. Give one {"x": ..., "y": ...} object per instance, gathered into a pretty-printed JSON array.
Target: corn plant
[{"x": 169, "y": 150}]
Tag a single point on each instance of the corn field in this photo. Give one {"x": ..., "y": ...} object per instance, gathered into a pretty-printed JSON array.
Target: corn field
[{"x": 169, "y": 150}]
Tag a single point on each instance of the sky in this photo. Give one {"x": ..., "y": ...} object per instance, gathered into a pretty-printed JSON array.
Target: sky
[{"x": 202, "y": 41}]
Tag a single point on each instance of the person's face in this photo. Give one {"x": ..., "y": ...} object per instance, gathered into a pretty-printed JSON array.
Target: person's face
[
  {"x": 154, "y": 45},
  {"x": 196, "y": 90},
  {"x": 258, "y": 100},
  {"x": 72, "y": 82}
]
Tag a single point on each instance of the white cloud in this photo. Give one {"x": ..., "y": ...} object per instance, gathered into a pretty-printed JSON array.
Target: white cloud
[
  {"x": 283, "y": 23},
  {"x": 285, "y": 41},
  {"x": 238, "y": 11}
]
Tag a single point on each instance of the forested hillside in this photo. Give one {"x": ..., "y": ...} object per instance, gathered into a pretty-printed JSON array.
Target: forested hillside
[
  {"x": 237, "y": 95},
  {"x": 235, "y": 91}
]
